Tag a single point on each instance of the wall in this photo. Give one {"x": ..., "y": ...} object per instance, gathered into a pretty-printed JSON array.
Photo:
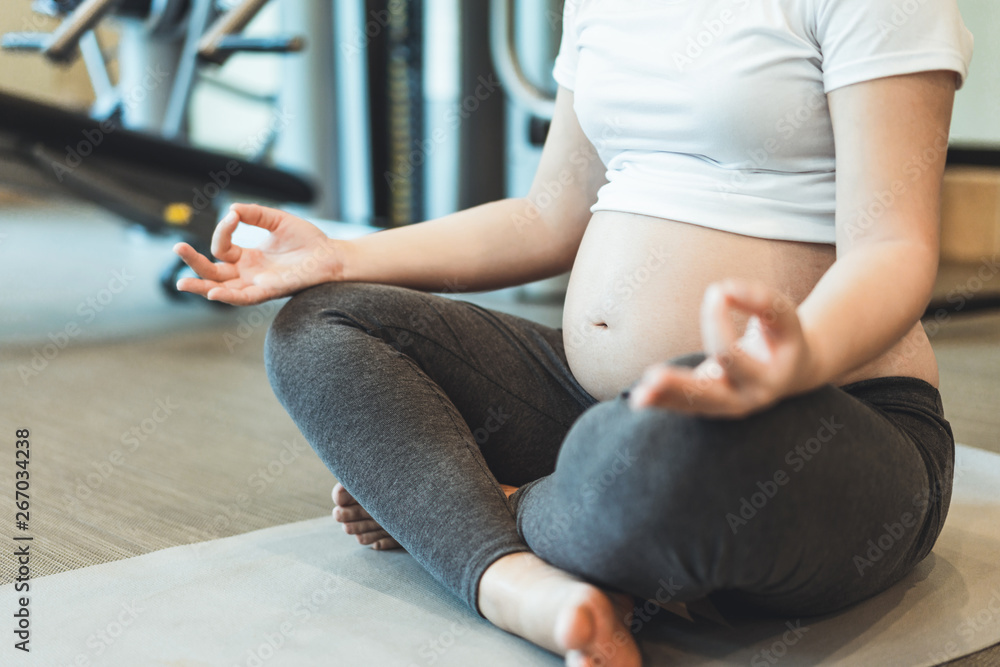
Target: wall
[
  {"x": 29, "y": 74},
  {"x": 976, "y": 120}
]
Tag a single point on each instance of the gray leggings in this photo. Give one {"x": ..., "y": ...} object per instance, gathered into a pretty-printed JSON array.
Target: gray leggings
[{"x": 421, "y": 404}]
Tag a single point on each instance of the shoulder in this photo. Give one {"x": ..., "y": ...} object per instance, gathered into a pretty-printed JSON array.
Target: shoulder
[{"x": 866, "y": 39}]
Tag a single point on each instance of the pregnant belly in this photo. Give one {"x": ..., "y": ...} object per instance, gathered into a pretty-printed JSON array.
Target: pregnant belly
[{"x": 637, "y": 283}]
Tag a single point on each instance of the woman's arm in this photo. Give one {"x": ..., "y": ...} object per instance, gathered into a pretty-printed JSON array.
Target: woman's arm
[
  {"x": 891, "y": 139},
  {"x": 502, "y": 243},
  {"x": 891, "y": 142},
  {"x": 499, "y": 244}
]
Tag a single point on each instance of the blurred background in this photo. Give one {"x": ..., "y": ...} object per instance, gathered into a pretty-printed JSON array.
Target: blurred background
[{"x": 127, "y": 125}]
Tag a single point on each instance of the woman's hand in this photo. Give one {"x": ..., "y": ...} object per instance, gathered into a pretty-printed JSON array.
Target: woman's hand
[
  {"x": 296, "y": 255},
  {"x": 741, "y": 374}
]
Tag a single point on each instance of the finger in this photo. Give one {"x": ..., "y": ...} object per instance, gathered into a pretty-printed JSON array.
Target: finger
[
  {"x": 657, "y": 383},
  {"x": 774, "y": 310},
  {"x": 718, "y": 331},
  {"x": 258, "y": 216},
  {"x": 222, "y": 239},
  {"x": 753, "y": 342},
  {"x": 196, "y": 286},
  {"x": 687, "y": 390},
  {"x": 203, "y": 266},
  {"x": 245, "y": 296},
  {"x": 361, "y": 527}
]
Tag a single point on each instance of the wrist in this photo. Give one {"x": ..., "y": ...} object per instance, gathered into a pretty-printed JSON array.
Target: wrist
[
  {"x": 339, "y": 260},
  {"x": 812, "y": 369}
]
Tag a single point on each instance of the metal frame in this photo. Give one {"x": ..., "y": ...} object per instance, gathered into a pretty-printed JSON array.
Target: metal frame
[{"x": 503, "y": 48}]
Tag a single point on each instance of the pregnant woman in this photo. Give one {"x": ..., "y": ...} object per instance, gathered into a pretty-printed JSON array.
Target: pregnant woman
[{"x": 741, "y": 401}]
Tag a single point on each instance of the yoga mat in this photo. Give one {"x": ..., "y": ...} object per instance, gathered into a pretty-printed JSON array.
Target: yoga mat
[{"x": 306, "y": 594}]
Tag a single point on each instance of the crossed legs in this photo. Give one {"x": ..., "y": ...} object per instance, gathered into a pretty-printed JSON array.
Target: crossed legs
[{"x": 422, "y": 405}]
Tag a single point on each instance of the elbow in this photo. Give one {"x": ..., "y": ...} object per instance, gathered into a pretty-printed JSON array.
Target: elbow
[
  {"x": 926, "y": 257},
  {"x": 552, "y": 230},
  {"x": 920, "y": 259}
]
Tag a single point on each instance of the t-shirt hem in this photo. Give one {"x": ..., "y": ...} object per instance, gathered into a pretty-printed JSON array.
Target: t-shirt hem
[
  {"x": 773, "y": 230},
  {"x": 563, "y": 75},
  {"x": 894, "y": 65}
]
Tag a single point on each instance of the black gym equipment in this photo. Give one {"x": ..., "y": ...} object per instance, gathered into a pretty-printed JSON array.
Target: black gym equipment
[
  {"x": 150, "y": 178},
  {"x": 163, "y": 186}
]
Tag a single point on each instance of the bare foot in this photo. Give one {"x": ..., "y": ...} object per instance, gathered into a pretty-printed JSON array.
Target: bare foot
[
  {"x": 524, "y": 595},
  {"x": 358, "y": 522}
]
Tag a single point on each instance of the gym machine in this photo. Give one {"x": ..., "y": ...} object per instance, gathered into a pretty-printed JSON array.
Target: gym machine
[
  {"x": 386, "y": 78},
  {"x": 148, "y": 175}
]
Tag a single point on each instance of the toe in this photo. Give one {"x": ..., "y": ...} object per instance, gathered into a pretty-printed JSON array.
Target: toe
[
  {"x": 575, "y": 628},
  {"x": 385, "y": 543},
  {"x": 341, "y": 496},
  {"x": 592, "y": 629},
  {"x": 361, "y": 527},
  {"x": 371, "y": 537},
  {"x": 349, "y": 514}
]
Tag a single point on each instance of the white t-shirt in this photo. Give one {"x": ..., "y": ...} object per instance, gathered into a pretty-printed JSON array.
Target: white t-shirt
[{"x": 714, "y": 112}]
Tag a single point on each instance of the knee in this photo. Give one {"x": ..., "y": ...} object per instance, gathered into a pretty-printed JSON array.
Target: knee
[
  {"x": 647, "y": 457},
  {"x": 676, "y": 475},
  {"x": 320, "y": 306},
  {"x": 316, "y": 321},
  {"x": 311, "y": 306}
]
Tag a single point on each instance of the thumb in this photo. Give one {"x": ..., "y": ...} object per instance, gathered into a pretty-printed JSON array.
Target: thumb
[{"x": 259, "y": 216}]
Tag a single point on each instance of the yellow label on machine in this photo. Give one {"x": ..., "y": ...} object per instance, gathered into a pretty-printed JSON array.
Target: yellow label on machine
[{"x": 177, "y": 214}]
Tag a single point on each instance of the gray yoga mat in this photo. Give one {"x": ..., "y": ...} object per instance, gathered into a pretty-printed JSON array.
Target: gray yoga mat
[{"x": 305, "y": 594}]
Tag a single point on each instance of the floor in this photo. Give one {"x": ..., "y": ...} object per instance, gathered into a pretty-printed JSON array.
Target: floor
[{"x": 152, "y": 423}]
